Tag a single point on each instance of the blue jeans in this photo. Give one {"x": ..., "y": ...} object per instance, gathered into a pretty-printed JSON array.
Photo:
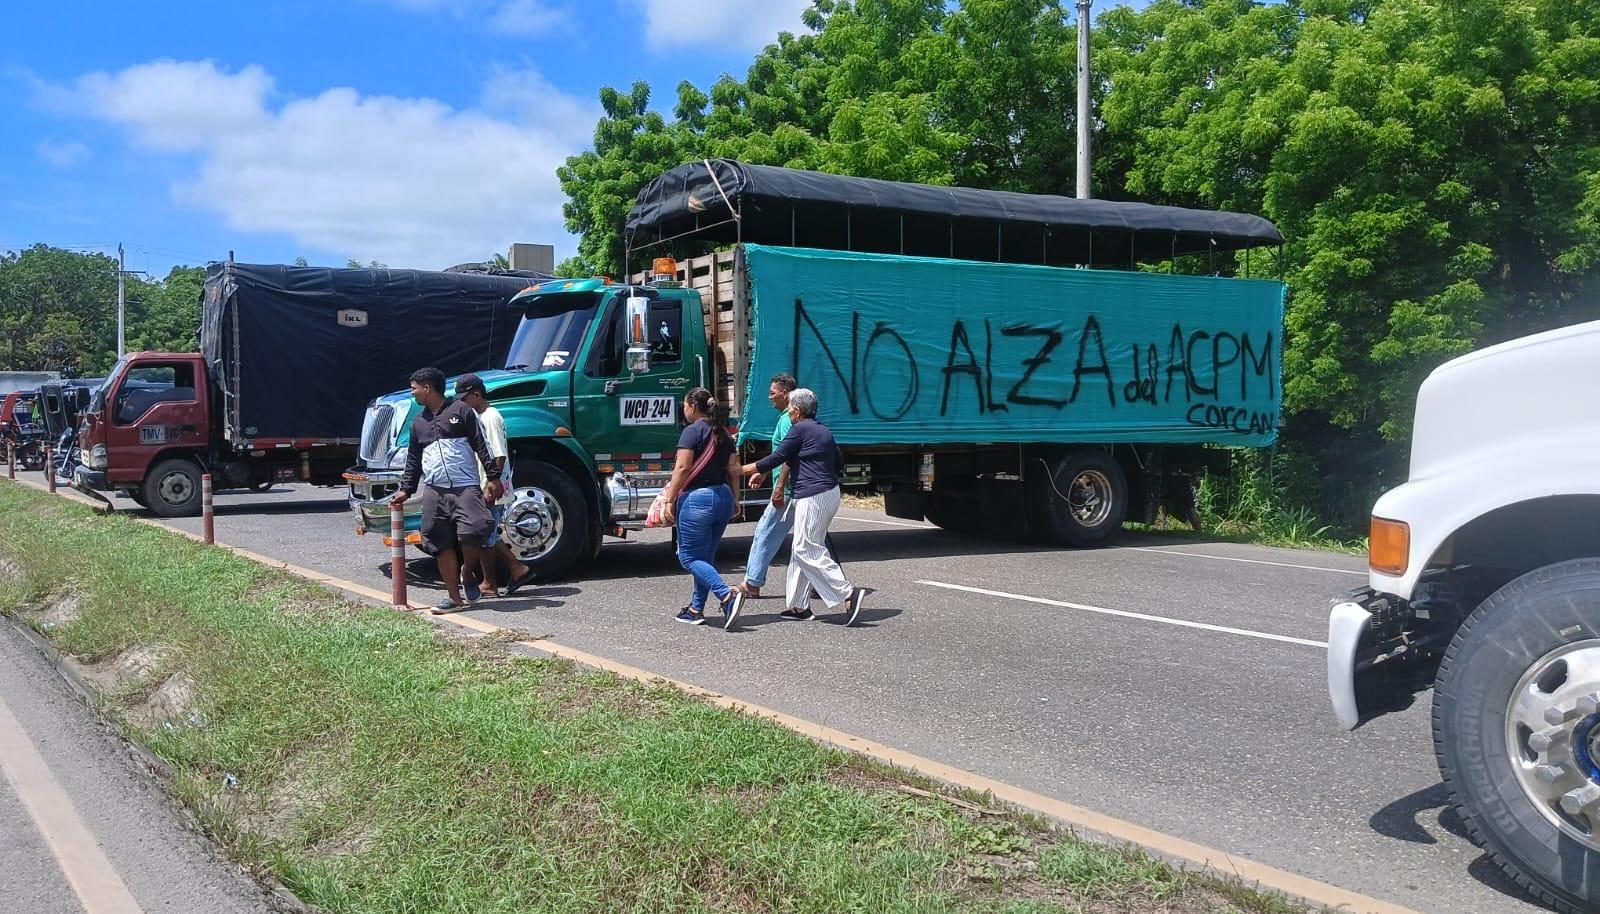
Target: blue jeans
[
  {"x": 775, "y": 524},
  {"x": 498, "y": 512},
  {"x": 702, "y": 517}
]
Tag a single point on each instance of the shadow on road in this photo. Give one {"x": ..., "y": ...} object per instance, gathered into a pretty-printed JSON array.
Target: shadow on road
[
  {"x": 242, "y": 509},
  {"x": 1402, "y": 821},
  {"x": 751, "y": 619}
]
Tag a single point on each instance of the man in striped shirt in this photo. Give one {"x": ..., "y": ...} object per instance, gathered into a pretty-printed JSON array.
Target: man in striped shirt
[{"x": 447, "y": 449}]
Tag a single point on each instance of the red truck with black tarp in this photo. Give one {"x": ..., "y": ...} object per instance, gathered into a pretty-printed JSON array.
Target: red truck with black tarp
[{"x": 289, "y": 359}]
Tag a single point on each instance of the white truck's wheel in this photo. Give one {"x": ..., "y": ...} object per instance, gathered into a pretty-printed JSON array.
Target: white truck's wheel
[{"x": 1516, "y": 723}]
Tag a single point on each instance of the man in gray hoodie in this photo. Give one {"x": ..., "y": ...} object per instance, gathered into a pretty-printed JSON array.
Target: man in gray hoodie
[{"x": 447, "y": 449}]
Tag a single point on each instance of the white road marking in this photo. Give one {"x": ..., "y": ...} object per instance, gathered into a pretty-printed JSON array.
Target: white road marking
[
  {"x": 1193, "y": 555},
  {"x": 1229, "y": 558},
  {"x": 93, "y": 879},
  {"x": 1145, "y": 617},
  {"x": 885, "y": 523}
]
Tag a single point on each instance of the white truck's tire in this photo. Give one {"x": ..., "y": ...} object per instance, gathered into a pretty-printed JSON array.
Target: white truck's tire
[{"x": 1516, "y": 725}]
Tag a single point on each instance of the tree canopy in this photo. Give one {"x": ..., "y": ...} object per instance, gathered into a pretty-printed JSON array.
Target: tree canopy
[
  {"x": 58, "y": 311},
  {"x": 1434, "y": 163}
]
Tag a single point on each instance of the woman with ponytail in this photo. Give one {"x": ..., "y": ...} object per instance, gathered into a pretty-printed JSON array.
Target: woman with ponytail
[{"x": 702, "y": 498}]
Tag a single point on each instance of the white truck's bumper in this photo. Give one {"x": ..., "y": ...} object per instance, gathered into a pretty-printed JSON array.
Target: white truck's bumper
[{"x": 1347, "y": 621}]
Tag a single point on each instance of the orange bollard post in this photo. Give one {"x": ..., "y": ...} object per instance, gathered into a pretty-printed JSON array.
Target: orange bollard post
[
  {"x": 207, "y": 512},
  {"x": 49, "y": 469},
  {"x": 397, "y": 559}
]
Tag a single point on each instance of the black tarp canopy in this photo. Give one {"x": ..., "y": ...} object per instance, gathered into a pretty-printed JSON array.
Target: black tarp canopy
[
  {"x": 720, "y": 200},
  {"x": 297, "y": 352}
]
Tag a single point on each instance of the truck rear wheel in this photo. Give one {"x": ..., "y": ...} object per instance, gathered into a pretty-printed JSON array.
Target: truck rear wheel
[
  {"x": 1081, "y": 500},
  {"x": 547, "y": 520},
  {"x": 1516, "y": 729},
  {"x": 172, "y": 488}
]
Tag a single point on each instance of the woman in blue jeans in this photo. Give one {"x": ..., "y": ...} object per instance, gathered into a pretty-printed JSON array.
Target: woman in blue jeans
[{"x": 701, "y": 500}]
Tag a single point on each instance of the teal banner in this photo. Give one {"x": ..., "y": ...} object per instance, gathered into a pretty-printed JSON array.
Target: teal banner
[{"x": 914, "y": 350}]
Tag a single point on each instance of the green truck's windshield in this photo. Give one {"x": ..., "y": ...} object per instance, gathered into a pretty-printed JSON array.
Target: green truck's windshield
[{"x": 548, "y": 341}]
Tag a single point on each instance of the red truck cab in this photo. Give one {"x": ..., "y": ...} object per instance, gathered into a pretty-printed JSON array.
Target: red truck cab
[{"x": 147, "y": 431}]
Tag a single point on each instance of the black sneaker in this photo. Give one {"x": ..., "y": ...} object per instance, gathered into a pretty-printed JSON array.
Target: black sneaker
[
  {"x": 691, "y": 617},
  {"x": 797, "y": 615},
  {"x": 853, "y": 605},
  {"x": 731, "y": 609}
]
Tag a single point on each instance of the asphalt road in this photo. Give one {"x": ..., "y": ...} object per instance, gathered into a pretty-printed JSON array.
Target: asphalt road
[
  {"x": 1175, "y": 684},
  {"x": 163, "y": 864}
]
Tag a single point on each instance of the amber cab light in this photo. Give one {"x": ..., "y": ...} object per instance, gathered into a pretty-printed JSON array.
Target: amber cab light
[{"x": 1389, "y": 547}]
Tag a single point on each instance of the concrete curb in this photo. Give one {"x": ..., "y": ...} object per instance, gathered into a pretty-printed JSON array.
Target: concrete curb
[{"x": 1077, "y": 819}]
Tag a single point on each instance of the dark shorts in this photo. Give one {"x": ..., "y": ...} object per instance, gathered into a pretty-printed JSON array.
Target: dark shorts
[{"x": 451, "y": 516}]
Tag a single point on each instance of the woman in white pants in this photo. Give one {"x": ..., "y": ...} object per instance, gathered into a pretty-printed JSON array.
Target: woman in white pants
[{"x": 814, "y": 465}]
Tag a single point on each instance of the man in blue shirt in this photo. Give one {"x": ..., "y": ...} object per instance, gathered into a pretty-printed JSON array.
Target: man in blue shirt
[{"x": 776, "y": 522}]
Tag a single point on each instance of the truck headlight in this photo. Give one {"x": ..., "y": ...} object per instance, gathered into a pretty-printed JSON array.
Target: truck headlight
[
  {"x": 96, "y": 460},
  {"x": 1389, "y": 547}
]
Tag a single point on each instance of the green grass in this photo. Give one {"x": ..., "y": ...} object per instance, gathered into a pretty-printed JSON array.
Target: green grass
[{"x": 374, "y": 764}]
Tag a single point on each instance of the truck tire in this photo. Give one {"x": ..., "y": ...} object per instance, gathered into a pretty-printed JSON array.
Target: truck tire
[
  {"x": 1081, "y": 500},
  {"x": 1516, "y": 729},
  {"x": 172, "y": 488},
  {"x": 547, "y": 520}
]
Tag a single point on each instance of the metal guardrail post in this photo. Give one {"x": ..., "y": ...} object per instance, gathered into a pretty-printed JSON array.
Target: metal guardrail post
[
  {"x": 207, "y": 511},
  {"x": 49, "y": 469},
  {"x": 397, "y": 559},
  {"x": 11, "y": 459}
]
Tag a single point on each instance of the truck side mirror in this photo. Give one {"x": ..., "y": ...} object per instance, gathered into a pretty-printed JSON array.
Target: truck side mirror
[{"x": 638, "y": 313}]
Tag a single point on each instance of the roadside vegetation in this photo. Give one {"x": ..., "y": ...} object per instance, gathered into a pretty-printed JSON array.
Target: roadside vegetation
[{"x": 374, "y": 763}]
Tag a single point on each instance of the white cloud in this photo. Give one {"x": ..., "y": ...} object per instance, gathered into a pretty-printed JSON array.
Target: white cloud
[
  {"x": 741, "y": 24},
  {"x": 176, "y": 105},
  {"x": 526, "y": 17},
  {"x": 62, "y": 154},
  {"x": 410, "y": 182},
  {"x": 512, "y": 17}
]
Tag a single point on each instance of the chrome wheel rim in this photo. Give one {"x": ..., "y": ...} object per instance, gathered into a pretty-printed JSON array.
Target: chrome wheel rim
[
  {"x": 1089, "y": 497},
  {"x": 533, "y": 524},
  {"x": 1553, "y": 738}
]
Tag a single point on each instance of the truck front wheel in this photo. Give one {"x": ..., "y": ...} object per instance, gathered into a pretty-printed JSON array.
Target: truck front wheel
[
  {"x": 547, "y": 520},
  {"x": 1079, "y": 498},
  {"x": 1516, "y": 728},
  {"x": 172, "y": 488}
]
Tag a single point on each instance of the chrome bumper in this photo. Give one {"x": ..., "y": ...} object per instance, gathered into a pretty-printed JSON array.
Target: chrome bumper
[
  {"x": 630, "y": 495},
  {"x": 370, "y": 491},
  {"x": 1347, "y": 621}
]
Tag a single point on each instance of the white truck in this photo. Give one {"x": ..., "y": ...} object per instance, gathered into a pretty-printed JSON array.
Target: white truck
[{"x": 1485, "y": 585}]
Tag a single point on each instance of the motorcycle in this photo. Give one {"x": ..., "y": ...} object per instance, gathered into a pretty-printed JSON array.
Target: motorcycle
[
  {"x": 28, "y": 441},
  {"x": 67, "y": 457}
]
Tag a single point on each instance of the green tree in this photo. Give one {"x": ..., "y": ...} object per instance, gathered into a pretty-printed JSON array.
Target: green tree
[
  {"x": 167, "y": 315},
  {"x": 1435, "y": 164},
  {"x": 57, "y": 310}
]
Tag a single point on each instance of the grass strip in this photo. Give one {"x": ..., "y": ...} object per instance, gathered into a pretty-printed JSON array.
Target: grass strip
[{"x": 375, "y": 763}]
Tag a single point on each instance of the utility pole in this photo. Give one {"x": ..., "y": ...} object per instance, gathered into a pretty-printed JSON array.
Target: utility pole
[
  {"x": 121, "y": 328},
  {"x": 1084, "y": 192}
]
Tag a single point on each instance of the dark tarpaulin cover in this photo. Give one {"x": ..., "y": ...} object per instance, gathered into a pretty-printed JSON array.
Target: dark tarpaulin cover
[
  {"x": 298, "y": 352},
  {"x": 786, "y": 206}
]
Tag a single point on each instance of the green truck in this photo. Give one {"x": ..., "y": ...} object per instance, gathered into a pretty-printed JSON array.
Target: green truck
[{"x": 989, "y": 361}]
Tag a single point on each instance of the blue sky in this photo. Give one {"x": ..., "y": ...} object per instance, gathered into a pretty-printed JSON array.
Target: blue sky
[{"x": 416, "y": 132}]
